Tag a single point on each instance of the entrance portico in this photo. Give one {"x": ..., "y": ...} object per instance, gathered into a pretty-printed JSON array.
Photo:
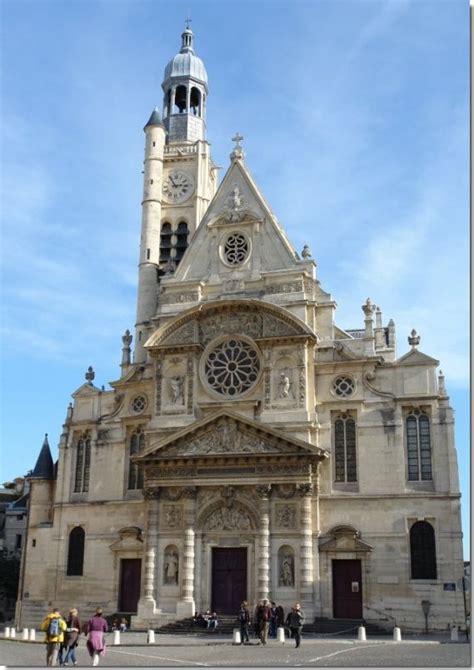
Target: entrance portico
[{"x": 224, "y": 496}]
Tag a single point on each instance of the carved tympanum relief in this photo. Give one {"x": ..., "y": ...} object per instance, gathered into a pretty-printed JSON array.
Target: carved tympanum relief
[
  {"x": 228, "y": 518},
  {"x": 226, "y": 438}
]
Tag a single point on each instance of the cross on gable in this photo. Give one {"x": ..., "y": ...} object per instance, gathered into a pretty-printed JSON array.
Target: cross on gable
[{"x": 237, "y": 139}]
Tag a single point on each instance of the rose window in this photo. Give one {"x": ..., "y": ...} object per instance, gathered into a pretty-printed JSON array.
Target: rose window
[
  {"x": 232, "y": 367},
  {"x": 344, "y": 386},
  {"x": 236, "y": 249},
  {"x": 139, "y": 403}
]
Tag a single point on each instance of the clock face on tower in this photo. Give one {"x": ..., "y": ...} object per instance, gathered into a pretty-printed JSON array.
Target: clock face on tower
[{"x": 178, "y": 186}]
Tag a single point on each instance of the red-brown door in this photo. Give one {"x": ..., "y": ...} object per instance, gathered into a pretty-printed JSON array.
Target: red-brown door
[
  {"x": 130, "y": 573},
  {"x": 229, "y": 579},
  {"x": 347, "y": 589}
]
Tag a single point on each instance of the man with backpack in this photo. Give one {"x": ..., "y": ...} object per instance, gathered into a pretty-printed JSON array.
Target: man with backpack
[
  {"x": 54, "y": 627},
  {"x": 263, "y": 618}
]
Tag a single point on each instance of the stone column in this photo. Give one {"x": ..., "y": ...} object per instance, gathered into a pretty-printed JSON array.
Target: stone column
[
  {"x": 263, "y": 590},
  {"x": 306, "y": 549},
  {"x": 186, "y": 607},
  {"x": 147, "y": 603}
]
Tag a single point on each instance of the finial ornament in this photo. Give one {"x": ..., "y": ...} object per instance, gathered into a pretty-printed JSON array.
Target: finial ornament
[
  {"x": 414, "y": 339},
  {"x": 368, "y": 308},
  {"x": 90, "y": 375},
  {"x": 306, "y": 253},
  {"x": 127, "y": 338},
  {"x": 441, "y": 385},
  {"x": 187, "y": 21},
  {"x": 237, "y": 151}
]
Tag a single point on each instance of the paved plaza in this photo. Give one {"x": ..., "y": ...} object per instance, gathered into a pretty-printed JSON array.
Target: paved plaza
[{"x": 206, "y": 651}]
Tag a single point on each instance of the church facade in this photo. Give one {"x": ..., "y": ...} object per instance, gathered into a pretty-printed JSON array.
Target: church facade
[{"x": 252, "y": 447}]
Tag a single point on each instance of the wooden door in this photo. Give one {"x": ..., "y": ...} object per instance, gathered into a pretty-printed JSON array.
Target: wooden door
[
  {"x": 129, "y": 593},
  {"x": 229, "y": 579},
  {"x": 347, "y": 589}
]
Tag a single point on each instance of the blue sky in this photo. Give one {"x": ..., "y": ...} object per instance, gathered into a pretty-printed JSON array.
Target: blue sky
[{"x": 355, "y": 118}]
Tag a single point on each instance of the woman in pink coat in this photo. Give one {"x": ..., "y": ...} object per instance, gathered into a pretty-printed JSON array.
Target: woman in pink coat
[{"x": 96, "y": 628}]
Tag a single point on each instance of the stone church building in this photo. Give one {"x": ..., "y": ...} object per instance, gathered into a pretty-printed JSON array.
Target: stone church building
[{"x": 253, "y": 446}]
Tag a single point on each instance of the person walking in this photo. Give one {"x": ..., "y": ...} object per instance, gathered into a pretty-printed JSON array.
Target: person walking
[
  {"x": 263, "y": 616},
  {"x": 244, "y": 620},
  {"x": 54, "y": 627},
  {"x": 96, "y": 627},
  {"x": 71, "y": 638},
  {"x": 295, "y": 621},
  {"x": 272, "y": 632}
]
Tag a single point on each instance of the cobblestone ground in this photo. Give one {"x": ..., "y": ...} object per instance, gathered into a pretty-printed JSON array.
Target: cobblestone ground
[{"x": 193, "y": 653}]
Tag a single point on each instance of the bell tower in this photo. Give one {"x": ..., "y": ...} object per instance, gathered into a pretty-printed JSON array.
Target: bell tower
[
  {"x": 180, "y": 180},
  {"x": 185, "y": 94}
]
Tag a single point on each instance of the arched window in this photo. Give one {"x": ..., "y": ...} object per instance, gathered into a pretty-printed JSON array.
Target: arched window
[
  {"x": 75, "y": 554},
  {"x": 181, "y": 240},
  {"x": 83, "y": 464},
  {"x": 418, "y": 446},
  {"x": 195, "y": 101},
  {"x": 345, "y": 449},
  {"x": 422, "y": 551},
  {"x": 165, "y": 242},
  {"x": 135, "y": 470},
  {"x": 180, "y": 99}
]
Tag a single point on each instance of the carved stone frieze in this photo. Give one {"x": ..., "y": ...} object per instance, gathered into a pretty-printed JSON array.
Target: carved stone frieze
[
  {"x": 294, "y": 469},
  {"x": 288, "y": 287},
  {"x": 226, "y": 518},
  {"x": 214, "y": 325},
  {"x": 231, "y": 285},
  {"x": 275, "y": 327},
  {"x": 172, "y": 298},
  {"x": 182, "y": 335}
]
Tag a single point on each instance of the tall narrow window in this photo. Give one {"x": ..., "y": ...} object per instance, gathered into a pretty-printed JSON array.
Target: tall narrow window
[
  {"x": 181, "y": 240},
  {"x": 345, "y": 449},
  {"x": 165, "y": 242},
  {"x": 75, "y": 554},
  {"x": 423, "y": 551},
  {"x": 83, "y": 464},
  {"x": 418, "y": 446},
  {"x": 135, "y": 470}
]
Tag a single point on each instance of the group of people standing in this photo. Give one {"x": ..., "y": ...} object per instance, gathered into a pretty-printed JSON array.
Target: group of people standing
[
  {"x": 62, "y": 636},
  {"x": 267, "y": 618}
]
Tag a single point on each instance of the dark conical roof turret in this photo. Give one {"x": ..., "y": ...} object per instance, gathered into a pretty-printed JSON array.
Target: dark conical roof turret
[
  {"x": 155, "y": 119},
  {"x": 44, "y": 468}
]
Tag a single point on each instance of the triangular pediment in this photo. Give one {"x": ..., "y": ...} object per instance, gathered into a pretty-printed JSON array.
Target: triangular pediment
[
  {"x": 416, "y": 357},
  {"x": 238, "y": 206},
  {"x": 85, "y": 390},
  {"x": 229, "y": 434},
  {"x": 345, "y": 539}
]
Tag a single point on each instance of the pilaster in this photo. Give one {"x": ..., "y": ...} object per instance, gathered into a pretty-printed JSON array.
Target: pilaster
[{"x": 263, "y": 493}]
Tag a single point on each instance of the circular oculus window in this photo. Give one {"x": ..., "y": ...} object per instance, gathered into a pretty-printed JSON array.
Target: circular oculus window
[
  {"x": 231, "y": 367},
  {"x": 139, "y": 403},
  {"x": 236, "y": 249},
  {"x": 343, "y": 386}
]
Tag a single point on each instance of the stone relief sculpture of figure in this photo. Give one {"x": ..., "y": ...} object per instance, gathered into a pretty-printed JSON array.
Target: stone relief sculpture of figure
[
  {"x": 171, "y": 567},
  {"x": 284, "y": 386},
  {"x": 176, "y": 390},
  {"x": 286, "y": 517},
  {"x": 172, "y": 517},
  {"x": 286, "y": 571}
]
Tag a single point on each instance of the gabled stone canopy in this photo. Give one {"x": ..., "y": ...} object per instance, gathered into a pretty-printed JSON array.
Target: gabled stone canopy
[
  {"x": 416, "y": 357},
  {"x": 229, "y": 434},
  {"x": 256, "y": 318}
]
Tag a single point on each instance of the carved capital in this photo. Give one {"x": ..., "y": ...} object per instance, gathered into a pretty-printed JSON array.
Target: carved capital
[
  {"x": 151, "y": 493},
  {"x": 190, "y": 492},
  {"x": 305, "y": 489},
  {"x": 263, "y": 490}
]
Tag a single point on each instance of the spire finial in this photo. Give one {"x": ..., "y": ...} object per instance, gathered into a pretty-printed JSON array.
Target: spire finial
[
  {"x": 187, "y": 38},
  {"x": 237, "y": 151},
  {"x": 414, "y": 339},
  {"x": 188, "y": 20},
  {"x": 90, "y": 374}
]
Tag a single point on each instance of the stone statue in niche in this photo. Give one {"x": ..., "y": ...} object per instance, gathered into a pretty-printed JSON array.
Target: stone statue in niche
[
  {"x": 284, "y": 386},
  {"x": 177, "y": 390},
  {"x": 287, "y": 571},
  {"x": 171, "y": 567}
]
